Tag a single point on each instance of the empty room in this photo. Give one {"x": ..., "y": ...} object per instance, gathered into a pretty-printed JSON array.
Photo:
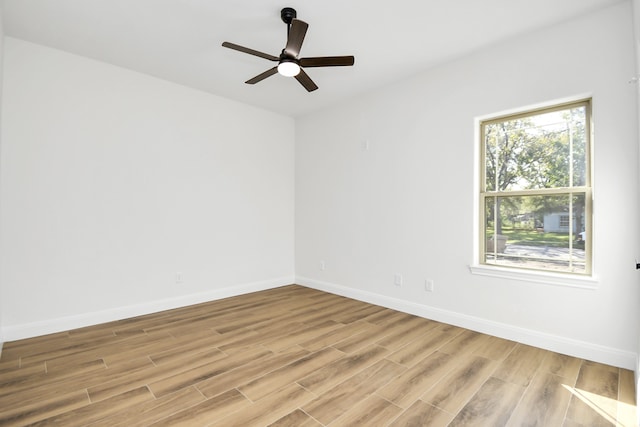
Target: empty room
[{"x": 325, "y": 213}]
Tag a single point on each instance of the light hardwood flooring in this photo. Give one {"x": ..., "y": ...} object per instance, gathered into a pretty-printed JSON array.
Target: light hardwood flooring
[{"x": 295, "y": 356}]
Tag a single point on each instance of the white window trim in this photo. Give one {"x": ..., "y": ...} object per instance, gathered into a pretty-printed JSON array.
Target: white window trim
[
  {"x": 536, "y": 276},
  {"x": 588, "y": 281}
]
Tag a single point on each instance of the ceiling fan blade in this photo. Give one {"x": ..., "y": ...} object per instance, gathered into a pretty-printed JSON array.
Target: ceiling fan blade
[
  {"x": 250, "y": 51},
  {"x": 262, "y": 76},
  {"x": 296, "y": 36},
  {"x": 306, "y": 81},
  {"x": 328, "y": 61}
]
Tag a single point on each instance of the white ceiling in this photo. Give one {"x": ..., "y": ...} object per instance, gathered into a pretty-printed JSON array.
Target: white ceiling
[{"x": 180, "y": 40}]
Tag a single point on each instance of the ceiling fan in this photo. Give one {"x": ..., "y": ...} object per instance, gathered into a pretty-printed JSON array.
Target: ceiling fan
[{"x": 288, "y": 62}]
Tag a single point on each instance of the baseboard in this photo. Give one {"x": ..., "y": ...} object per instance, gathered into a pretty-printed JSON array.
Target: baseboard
[
  {"x": 29, "y": 330},
  {"x": 564, "y": 345}
]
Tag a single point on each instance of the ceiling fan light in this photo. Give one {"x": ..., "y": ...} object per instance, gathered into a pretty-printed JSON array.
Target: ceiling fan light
[{"x": 288, "y": 68}]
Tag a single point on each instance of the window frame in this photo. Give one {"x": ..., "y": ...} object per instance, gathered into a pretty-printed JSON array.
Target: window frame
[{"x": 485, "y": 268}]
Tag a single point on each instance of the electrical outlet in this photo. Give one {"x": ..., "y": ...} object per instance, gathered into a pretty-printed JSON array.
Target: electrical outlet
[
  {"x": 323, "y": 266},
  {"x": 397, "y": 279},
  {"x": 428, "y": 285},
  {"x": 179, "y": 278}
]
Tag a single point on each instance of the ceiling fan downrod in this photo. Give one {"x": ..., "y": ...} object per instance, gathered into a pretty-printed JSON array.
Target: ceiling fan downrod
[{"x": 288, "y": 14}]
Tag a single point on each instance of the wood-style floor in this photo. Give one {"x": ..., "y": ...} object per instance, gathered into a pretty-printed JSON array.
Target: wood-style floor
[{"x": 294, "y": 356}]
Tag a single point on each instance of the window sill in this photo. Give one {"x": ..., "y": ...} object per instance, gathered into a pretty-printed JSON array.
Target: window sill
[{"x": 557, "y": 279}]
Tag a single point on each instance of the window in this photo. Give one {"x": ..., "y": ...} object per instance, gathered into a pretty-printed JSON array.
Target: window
[{"x": 535, "y": 195}]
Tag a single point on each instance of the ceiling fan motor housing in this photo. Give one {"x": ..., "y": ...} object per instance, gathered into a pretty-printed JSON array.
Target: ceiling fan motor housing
[{"x": 287, "y": 14}]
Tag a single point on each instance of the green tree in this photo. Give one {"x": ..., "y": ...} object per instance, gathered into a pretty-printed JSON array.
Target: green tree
[
  {"x": 543, "y": 151},
  {"x": 560, "y": 161},
  {"x": 508, "y": 149}
]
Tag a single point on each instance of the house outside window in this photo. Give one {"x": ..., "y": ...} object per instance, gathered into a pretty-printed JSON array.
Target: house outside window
[{"x": 535, "y": 195}]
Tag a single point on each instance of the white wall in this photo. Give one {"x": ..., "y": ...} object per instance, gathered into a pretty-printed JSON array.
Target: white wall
[
  {"x": 112, "y": 182},
  {"x": 636, "y": 27},
  {"x": 406, "y": 205},
  {"x": 1, "y": 72}
]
